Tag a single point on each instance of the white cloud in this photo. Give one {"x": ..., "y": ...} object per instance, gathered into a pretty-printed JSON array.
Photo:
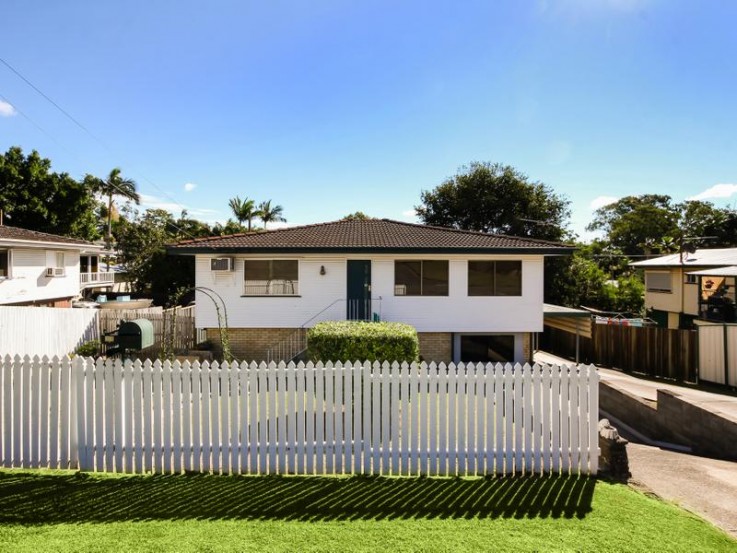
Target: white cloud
[
  {"x": 6, "y": 109},
  {"x": 716, "y": 191},
  {"x": 189, "y": 186},
  {"x": 410, "y": 214},
  {"x": 601, "y": 201}
]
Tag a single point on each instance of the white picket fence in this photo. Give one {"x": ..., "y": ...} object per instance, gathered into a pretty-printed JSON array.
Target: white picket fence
[{"x": 106, "y": 415}]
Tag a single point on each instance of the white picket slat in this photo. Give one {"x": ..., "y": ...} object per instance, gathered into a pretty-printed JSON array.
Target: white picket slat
[{"x": 316, "y": 419}]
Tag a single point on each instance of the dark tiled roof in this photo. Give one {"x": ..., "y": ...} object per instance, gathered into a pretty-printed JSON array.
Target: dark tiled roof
[
  {"x": 378, "y": 235},
  {"x": 15, "y": 233}
]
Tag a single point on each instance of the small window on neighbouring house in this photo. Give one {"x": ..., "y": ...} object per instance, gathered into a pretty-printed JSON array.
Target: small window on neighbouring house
[
  {"x": 692, "y": 279},
  {"x": 494, "y": 278},
  {"x": 4, "y": 263},
  {"x": 658, "y": 281},
  {"x": 271, "y": 277},
  {"x": 59, "y": 259},
  {"x": 420, "y": 278}
]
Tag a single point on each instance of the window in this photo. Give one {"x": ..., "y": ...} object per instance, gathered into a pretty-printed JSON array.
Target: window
[
  {"x": 420, "y": 278},
  {"x": 658, "y": 281},
  {"x": 4, "y": 263},
  {"x": 59, "y": 259},
  {"x": 692, "y": 279},
  {"x": 271, "y": 277},
  {"x": 494, "y": 278}
]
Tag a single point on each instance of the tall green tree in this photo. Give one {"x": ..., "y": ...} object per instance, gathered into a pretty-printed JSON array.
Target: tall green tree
[
  {"x": 244, "y": 210},
  {"x": 113, "y": 185},
  {"x": 142, "y": 240},
  {"x": 34, "y": 197},
  {"x": 652, "y": 224},
  {"x": 270, "y": 214},
  {"x": 496, "y": 198},
  {"x": 638, "y": 224}
]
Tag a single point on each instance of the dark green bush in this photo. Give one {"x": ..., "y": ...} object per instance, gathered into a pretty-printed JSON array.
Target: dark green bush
[
  {"x": 88, "y": 349},
  {"x": 362, "y": 341}
]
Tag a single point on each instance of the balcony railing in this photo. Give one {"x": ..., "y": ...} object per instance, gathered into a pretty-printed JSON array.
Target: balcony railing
[{"x": 96, "y": 279}]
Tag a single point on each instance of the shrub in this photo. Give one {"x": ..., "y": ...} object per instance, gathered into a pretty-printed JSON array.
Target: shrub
[
  {"x": 88, "y": 349},
  {"x": 362, "y": 341}
]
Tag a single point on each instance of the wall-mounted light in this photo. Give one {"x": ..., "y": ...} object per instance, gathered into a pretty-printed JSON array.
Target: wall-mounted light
[{"x": 322, "y": 270}]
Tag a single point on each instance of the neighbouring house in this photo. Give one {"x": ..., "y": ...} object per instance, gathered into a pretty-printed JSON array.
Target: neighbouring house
[
  {"x": 683, "y": 287},
  {"x": 471, "y": 296},
  {"x": 47, "y": 270}
]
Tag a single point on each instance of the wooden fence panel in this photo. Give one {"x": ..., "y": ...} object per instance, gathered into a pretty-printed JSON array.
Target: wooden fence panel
[
  {"x": 174, "y": 328},
  {"x": 316, "y": 419},
  {"x": 656, "y": 352}
]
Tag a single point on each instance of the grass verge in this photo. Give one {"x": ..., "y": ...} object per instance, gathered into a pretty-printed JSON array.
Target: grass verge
[{"x": 64, "y": 511}]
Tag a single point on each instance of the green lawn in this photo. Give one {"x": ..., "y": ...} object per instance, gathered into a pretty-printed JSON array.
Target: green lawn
[{"x": 65, "y": 511}]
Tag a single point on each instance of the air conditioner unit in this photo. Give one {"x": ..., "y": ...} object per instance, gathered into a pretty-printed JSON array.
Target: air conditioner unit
[
  {"x": 54, "y": 271},
  {"x": 221, "y": 264}
]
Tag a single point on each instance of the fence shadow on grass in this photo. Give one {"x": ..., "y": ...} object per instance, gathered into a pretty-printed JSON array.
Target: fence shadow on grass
[{"x": 29, "y": 498}]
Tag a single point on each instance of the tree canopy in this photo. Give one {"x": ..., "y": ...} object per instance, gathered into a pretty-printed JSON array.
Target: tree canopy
[
  {"x": 34, "y": 197},
  {"x": 114, "y": 185},
  {"x": 653, "y": 224},
  {"x": 244, "y": 210},
  {"x": 496, "y": 198}
]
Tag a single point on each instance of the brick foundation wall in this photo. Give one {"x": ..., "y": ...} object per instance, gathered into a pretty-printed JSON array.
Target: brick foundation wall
[
  {"x": 436, "y": 346},
  {"x": 527, "y": 347},
  {"x": 251, "y": 344}
]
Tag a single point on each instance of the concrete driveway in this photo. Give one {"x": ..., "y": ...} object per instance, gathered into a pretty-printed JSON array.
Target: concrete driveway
[{"x": 706, "y": 487}]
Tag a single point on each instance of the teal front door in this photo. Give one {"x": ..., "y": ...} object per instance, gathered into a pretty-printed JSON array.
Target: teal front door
[{"x": 358, "y": 304}]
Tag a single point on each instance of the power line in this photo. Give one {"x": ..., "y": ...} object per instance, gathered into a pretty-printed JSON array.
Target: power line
[{"x": 90, "y": 133}]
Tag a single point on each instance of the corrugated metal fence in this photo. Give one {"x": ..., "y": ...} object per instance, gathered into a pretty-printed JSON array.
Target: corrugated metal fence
[
  {"x": 718, "y": 353},
  {"x": 106, "y": 415}
]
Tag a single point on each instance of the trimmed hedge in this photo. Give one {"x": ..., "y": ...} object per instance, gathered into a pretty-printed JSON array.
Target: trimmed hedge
[{"x": 362, "y": 341}]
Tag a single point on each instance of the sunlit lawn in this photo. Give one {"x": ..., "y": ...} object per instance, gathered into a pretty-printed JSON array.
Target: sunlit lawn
[{"x": 64, "y": 511}]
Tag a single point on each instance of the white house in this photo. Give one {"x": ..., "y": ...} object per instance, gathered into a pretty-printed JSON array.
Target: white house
[
  {"x": 43, "y": 269},
  {"x": 471, "y": 296},
  {"x": 682, "y": 287}
]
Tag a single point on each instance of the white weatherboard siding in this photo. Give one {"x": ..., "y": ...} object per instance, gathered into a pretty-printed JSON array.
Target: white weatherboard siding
[
  {"x": 322, "y": 297},
  {"x": 28, "y": 281}
]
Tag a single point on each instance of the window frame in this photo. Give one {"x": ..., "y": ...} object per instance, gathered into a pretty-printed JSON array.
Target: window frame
[
  {"x": 295, "y": 283},
  {"x": 494, "y": 293},
  {"x": 656, "y": 290},
  {"x": 422, "y": 278}
]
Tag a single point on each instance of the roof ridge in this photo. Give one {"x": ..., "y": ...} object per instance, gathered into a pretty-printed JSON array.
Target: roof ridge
[{"x": 475, "y": 232}]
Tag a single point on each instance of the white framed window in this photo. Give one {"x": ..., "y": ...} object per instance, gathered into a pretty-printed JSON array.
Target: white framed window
[
  {"x": 658, "y": 281},
  {"x": 271, "y": 277},
  {"x": 495, "y": 278},
  {"x": 59, "y": 259},
  {"x": 692, "y": 279},
  {"x": 421, "y": 278}
]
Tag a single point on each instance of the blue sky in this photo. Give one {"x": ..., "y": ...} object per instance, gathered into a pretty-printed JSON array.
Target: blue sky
[{"x": 329, "y": 107}]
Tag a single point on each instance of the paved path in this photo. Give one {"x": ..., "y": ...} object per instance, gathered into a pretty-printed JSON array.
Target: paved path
[{"x": 707, "y": 487}]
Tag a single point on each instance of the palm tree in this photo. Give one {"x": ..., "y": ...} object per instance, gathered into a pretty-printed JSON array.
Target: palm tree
[
  {"x": 244, "y": 210},
  {"x": 270, "y": 214},
  {"x": 114, "y": 185}
]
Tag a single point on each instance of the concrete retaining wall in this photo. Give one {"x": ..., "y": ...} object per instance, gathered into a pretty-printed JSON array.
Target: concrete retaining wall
[{"x": 673, "y": 419}]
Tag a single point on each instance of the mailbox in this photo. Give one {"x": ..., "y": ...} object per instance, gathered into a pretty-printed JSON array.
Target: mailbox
[{"x": 137, "y": 334}]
